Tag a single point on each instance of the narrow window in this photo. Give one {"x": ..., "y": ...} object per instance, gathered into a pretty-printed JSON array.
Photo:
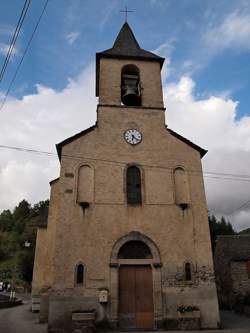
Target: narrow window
[
  {"x": 130, "y": 86},
  {"x": 133, "y": 185},
  {"x": 79, "y": 274},
  {"x": 181, "y": 188},
  {"x": 188, "y": 273},
  {"x": 85, "y": 186},
  {"x": 248, "y": 268}
]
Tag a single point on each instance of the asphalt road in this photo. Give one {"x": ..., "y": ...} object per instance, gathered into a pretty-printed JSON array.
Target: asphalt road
[{"x": 20, "y": 320}]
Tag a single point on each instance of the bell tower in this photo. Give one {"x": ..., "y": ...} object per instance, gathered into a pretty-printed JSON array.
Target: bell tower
[
  {"x": 135, "y": 210},
  {"x": 127, "y": 75}
]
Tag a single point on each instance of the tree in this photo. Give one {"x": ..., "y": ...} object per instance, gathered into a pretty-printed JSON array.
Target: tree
[
  {"x": 6, "y": 220},
  {"x": 217, "y": 228},
  {"x": 15, "y": 229},
  {"x": 20, "y": 214},
  {"x": 245, "y": 232}
]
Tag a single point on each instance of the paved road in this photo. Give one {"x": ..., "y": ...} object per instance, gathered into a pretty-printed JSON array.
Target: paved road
[
  {"x": 21, "y": 320},
  {"x": 231, "y": 320}
]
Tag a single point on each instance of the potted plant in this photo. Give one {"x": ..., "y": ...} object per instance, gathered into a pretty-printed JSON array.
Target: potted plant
[{"x": 188, "y": 317}]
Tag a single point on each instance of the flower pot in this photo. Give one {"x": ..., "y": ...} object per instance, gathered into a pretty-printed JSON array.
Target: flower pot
[
  {"x": 189, "y": 314},
  {"x": 189, "y": 320}
]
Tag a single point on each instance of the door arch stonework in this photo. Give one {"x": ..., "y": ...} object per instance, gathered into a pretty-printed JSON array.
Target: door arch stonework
[{"x": 154, "y": 262}]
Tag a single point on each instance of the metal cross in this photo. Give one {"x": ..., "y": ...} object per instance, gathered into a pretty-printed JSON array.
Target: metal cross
[{"x": 126, "y": 11}]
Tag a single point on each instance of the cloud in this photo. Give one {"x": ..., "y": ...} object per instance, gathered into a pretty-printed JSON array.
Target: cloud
[
  {"x": 72, "y": 37},
  {"x": 40, "y": 120},
  {"x": 165, "y": 50},
  {"x": 232, "y": 32},
  {"x": 5, "y": 47},
  {"x": 6, "y": 30},
  {"x": 212, "y": 124},
  {"x": 108, "y": 10}
]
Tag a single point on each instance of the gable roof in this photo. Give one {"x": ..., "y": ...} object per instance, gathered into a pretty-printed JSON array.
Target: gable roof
[
  {"x": 190, "y": 143},
  {"x": 90, "y": 129},
  {"x": 72, "y": 138},
  {"x": 125, "y": 47}
]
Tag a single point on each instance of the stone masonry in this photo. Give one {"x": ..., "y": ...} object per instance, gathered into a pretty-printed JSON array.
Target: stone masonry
[{"x": 92, "y": 233}]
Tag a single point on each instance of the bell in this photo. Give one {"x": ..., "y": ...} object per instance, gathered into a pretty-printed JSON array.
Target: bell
[
  {"x": 131, "y": 97},
  {"x": 131, "y": 91}
]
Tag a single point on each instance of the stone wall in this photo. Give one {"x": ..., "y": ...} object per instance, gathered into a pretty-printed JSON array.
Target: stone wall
[
  {"x": 231, "y": 255},
  {"x": 240, "y": 278}
]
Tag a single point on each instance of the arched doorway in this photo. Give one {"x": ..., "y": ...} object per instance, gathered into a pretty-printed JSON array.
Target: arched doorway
[
  {"x": 136, "y": 308},
  {"x": 135, "y": 283}
]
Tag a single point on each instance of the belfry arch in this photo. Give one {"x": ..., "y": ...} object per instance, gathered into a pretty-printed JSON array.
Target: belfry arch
[{"x": 148, "y": 256}]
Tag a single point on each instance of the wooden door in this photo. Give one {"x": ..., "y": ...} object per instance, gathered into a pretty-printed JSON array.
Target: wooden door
[{"x": 136, "y": 297}]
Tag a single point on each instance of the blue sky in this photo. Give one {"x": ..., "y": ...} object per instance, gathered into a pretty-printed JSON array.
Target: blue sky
[
  {"x": 206, "y": 82},
  {"x": 72, "y": 31}
]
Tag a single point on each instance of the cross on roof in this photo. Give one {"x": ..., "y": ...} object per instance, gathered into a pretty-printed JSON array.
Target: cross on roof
[{"x": 126, "y": 11}]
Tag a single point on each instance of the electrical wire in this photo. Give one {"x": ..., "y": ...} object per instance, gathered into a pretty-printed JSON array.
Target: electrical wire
[
  {"x": 25, "y": 51},
  {"x": 14, "y": 37},
  {"x": 205, "y": 174},
  {"x": 239, "y": 208}
]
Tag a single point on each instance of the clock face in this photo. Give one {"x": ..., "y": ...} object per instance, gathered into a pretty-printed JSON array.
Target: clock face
[{"x": 133, "y": 136}]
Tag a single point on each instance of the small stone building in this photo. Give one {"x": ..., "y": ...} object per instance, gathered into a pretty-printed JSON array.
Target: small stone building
[
  {"x": 232, "y": 268},
  {"x": 127, "y": 235}
]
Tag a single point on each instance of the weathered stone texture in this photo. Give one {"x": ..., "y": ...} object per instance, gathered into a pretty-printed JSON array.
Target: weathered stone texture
[
  {"x": 88, "y": 235},
  {"x": 231, "y": 256}
]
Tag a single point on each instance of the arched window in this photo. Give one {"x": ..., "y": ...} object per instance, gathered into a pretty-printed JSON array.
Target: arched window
[
  {"x": 130, "y": 86},
  {"x": 85, "y": 186},
  {"x": 181, "y": 187},
  {"x": 188, "y": 271},
  {"x": 79, "y": 274},
  {"x": 134, "y": 250},
  {"x": 133, "y": 185}
]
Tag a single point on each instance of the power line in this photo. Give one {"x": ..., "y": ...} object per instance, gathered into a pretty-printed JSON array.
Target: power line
[
  {"x": 206, "y": 174},
  {"x": 239, "y": 208},
  {"x": 14, "y": 37},
  {"x": 25, "y": 51}
]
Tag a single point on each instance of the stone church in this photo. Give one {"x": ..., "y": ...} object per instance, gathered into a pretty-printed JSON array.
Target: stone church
[{"x": 127, "y": 239}]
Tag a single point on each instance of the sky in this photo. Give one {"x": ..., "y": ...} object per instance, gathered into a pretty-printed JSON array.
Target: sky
[{"x": 206, "y": 82}]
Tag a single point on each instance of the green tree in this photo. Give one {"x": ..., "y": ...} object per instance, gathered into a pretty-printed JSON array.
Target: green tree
[
  {"x": 6, "y": 220},
  {"x": 217, "y": 228},
  {"x": 15, "y": 229}
]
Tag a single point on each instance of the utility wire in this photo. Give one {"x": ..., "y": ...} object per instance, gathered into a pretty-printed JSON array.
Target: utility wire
[
  {"x": 14, "y": 37},
  {"x": 206, "y": 174},
  {"x": 211, "y": 174},
  {"x": 25, "y": 51},
  {"x": 239, "y": 208}
]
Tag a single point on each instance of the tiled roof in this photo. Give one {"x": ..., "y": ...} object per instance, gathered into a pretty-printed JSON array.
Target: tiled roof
[{"x": 125, "y": 47}]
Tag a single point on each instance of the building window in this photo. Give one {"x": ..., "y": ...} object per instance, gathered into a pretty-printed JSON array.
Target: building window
[
  {"x": 79, "y": 274},
  {"x": 85, "y": 186},
  {"x": 248, "y": 268},
  {"x": 133, "y": 185},
  {"x": 188, "y": 271},
  {"x": 181, "y": 188},
  {"x": 130, "y": 86}
]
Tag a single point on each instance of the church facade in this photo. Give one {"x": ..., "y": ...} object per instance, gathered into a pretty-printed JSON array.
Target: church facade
[{"x": 127, "y": 236}]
